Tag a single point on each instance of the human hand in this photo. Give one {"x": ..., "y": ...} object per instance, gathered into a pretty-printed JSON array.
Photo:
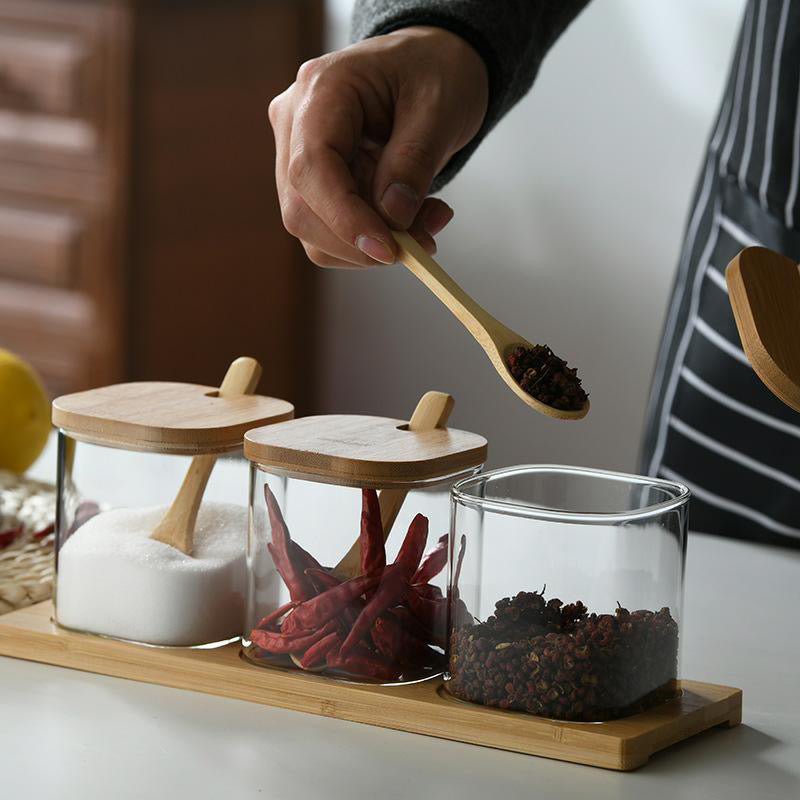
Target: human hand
[{"x": 361, "y": 134}]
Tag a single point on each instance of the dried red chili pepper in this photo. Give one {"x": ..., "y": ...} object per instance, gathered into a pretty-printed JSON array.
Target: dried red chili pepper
[
  {"x": 322, "y": 580},
  {"x": 428, "y": 590},
  {"x": 283, "y": 644},
  {"x": 275, "y": 615},
  {"x": 9, "y": 535},
  {"x": 317, "y": 652},
  {"x": 398, "y": 645},
  {"x": 394, "y": 581},
  {"x": 314, "y": 612},
  {"x": 360, "y": 626},
  {"x": 363, "y": 664},
  {"x": 46, "y": 531},
  {"x": 371, "y": 547},
  {"x": 392, "y": 587},
  {"x": 431, "y": 613},
  {"x": 411, "y": 624},
  {"x": 294, "y": 578},
  {"x": 434, "y": 563},
  {"x": 413, "y": 546},
  {"x": 302, "y": 559}
]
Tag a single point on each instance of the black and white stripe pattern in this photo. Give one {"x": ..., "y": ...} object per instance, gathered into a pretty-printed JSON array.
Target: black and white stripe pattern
[{"x": 711, "y": 422}]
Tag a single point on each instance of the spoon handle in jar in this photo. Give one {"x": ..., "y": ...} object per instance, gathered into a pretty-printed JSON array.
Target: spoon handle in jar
[
  {"x": 432, "y": 411},
  {"x": 177, "y": 526}
]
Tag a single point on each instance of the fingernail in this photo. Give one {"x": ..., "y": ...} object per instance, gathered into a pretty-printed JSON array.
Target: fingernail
[
  {"x": 375, "y": 248},
  {"x": 436, "y": 219},
  {"x": 400, "y": 202}
]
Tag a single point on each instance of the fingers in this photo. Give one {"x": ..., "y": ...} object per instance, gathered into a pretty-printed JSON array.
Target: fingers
[
  {"x": 332, "y": 254},
  {"x": 323, "y": 136},
  {"x": 420, "y": 145},
  {"x": 322, "y": 247},
  {"x": 328, "y": 251},
  {"x": 433, "y": 216}
]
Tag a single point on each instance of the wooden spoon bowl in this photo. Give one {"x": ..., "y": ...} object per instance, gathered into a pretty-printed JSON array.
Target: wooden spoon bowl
[
  {"x": 496, "y": 339},
  {"x": 764, "y": 291}
]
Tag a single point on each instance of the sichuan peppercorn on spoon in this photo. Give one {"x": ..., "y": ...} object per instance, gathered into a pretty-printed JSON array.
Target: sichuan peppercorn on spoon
[
  {"x": 541, "y": 372},
  {"x": 177, "y": 526},
  {"x": 764, "y": 291}
]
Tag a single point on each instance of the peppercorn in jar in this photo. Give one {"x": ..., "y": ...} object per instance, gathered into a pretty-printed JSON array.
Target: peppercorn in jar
[{"x": 566, "y": 591}]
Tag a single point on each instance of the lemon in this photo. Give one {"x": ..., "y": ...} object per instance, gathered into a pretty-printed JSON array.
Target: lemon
[{"x": 24, "y": 414}]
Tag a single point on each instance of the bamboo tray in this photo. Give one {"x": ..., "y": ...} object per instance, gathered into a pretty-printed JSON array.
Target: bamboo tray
[{"x": 624, "y": 744}]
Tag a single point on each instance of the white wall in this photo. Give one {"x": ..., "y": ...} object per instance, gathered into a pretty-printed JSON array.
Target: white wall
[{"x": 568, "y": 225}]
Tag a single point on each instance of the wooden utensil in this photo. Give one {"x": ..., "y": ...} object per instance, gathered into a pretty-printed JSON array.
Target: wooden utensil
[
  {"x": 177, "y": 527},
  {"x": 432, "y": 411},
  {"x": 764, "y": 291},
  {"x": 495, "y": 338}
]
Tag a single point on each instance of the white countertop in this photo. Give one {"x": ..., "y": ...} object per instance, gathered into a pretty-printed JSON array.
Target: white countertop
[{"x": 75, "y": 736}]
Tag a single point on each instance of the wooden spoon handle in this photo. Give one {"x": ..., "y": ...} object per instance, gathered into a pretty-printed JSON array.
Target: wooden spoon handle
[
  {"x": 241, "y": 378},
  {"x": 177, "y": 526},
  {"x": 488, "y": 331},
  {"x": 432, "y": 411}
]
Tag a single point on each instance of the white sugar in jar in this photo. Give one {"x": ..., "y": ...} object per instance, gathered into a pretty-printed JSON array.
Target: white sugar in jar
[
  {"x": 127, "y": 455},
  {"x": 113, "y": 579}
]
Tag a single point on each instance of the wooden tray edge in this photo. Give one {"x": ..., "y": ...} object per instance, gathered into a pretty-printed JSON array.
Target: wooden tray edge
[{"x": 626, "y": 744}]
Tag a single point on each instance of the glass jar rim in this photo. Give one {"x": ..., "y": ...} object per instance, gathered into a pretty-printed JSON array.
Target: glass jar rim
[{"x": 680, "y": 495}]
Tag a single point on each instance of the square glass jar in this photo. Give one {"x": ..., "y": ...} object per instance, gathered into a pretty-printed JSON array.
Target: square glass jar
[
  {"x": 325, "y": 593},
  {"x": 566, "y": 591},
  {"x": 125, "y": 453}
]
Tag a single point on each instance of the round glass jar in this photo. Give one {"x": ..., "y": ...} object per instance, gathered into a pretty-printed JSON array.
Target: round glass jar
[
  {"x": 327, "y": 591},
  {"x": 565, "y": 589},
  {"x": 125, "y": 453}
]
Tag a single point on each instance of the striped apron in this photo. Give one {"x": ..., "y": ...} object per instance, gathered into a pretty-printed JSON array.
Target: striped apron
[{"x": 711, "y": 423}]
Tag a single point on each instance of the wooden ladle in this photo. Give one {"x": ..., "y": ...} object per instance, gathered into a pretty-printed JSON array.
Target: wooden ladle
[
  {"x": 495, "y": 338},
  {"x": 432, "y": 411},
  {"x": 177, "y": 526},
  {"x": 764, "y": 291}
]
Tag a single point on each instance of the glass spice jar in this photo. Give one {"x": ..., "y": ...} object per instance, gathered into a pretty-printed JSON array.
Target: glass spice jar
[
  {"x": 565, "y": 589},
  {"x": 125, "y": 453},
  {"x": 325, "y": 594}
]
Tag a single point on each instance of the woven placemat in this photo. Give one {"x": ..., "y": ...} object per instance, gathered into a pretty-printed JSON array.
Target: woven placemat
[{"x": 27, "y": 514}]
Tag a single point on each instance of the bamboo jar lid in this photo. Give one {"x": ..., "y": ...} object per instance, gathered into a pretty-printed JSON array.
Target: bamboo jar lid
[
  {"x": 363, "y": 451},
  {"x": 180, "y": 418}
]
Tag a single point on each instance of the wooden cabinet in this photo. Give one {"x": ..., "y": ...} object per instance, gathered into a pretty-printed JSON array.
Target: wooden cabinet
[{"x": 140, "y": 236}]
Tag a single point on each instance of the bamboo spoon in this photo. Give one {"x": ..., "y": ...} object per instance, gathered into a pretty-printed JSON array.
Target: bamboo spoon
[
  {"x": 432, "y": 411},
  {"x": 764, "y": 291},
  {"x": 495, "y": 338},
  {"x": 177, "y": 527}
]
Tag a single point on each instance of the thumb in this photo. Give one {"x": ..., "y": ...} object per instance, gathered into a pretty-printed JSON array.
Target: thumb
[{"x": 418, "y": 148}]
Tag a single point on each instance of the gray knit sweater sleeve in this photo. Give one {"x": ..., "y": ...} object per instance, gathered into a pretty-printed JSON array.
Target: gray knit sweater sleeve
[{"x": 512, "y": 36}]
